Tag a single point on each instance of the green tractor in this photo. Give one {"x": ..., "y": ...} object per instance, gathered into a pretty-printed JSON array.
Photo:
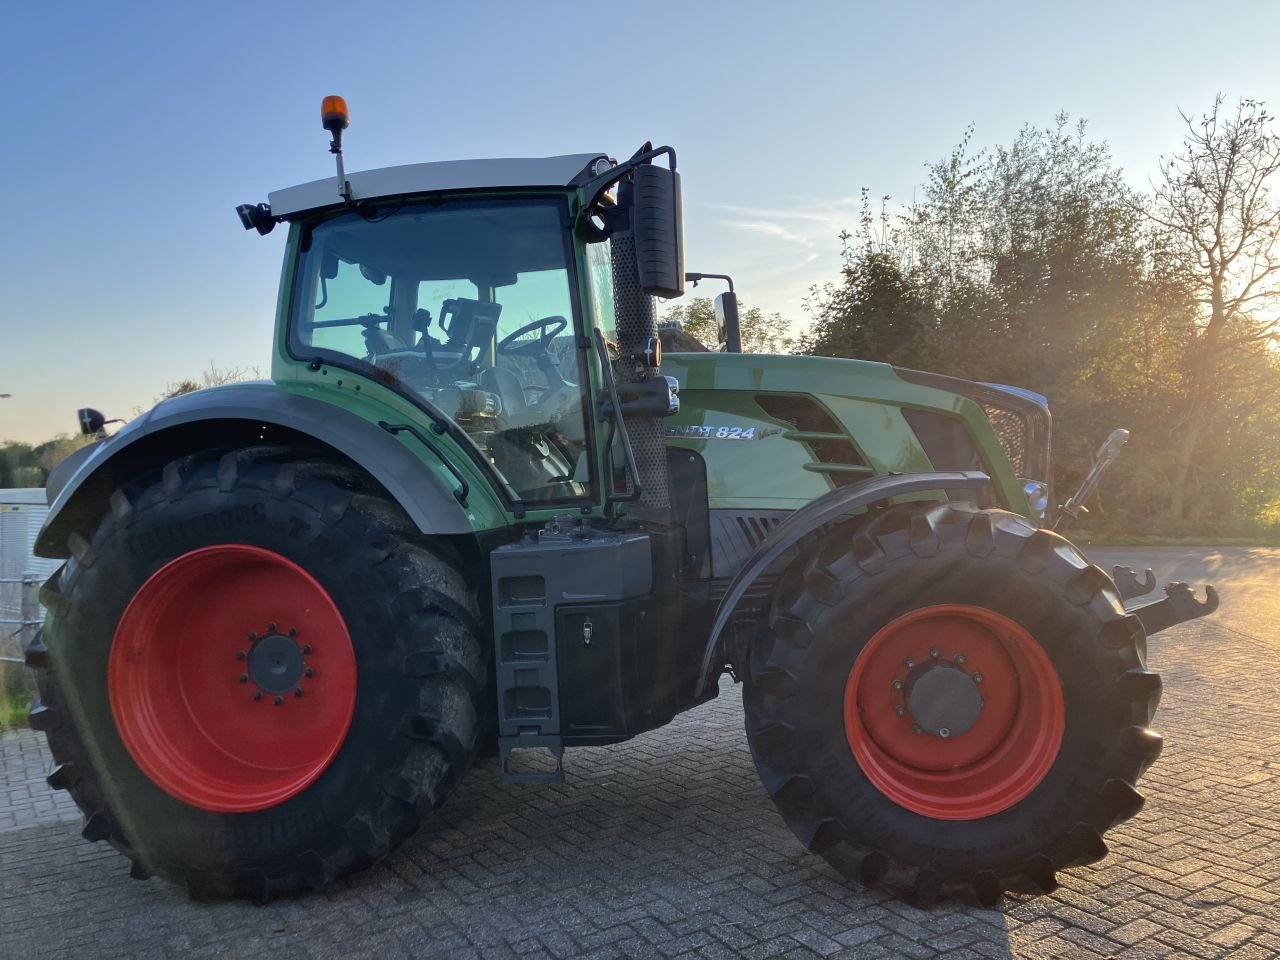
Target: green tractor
[{"x": 476, "y": 510}]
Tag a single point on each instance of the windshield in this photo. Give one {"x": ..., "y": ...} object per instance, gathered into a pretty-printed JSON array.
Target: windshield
[{"x": 468, "y": 306}]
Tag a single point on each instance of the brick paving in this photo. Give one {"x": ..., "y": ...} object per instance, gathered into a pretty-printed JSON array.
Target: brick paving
[{"x": 667, "y": 846}]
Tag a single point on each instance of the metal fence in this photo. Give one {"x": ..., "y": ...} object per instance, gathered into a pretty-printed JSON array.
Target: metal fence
[{"x": 22, "y": 511}]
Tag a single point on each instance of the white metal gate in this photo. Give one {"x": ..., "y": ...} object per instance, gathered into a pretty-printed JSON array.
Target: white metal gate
[{"x": 22, "y": 512}]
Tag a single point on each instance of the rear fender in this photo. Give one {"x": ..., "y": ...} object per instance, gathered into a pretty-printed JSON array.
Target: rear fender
[
  {"x": 79, "y": 489},
  {"x": 829, "y": 508}
]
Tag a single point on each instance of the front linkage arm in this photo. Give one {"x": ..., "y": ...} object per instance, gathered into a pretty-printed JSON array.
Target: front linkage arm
[
  {"x": 1129, "y": 585},
  {"x": 1178, "y": 606}
]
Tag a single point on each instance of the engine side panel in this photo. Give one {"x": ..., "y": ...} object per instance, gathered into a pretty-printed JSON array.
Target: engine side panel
[{"x": 777, "y": 432}]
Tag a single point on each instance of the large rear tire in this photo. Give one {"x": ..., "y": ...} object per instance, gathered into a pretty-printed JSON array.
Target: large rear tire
[
  {"x": 951, "y": 702},
  {"x": 255, "y": 677}
]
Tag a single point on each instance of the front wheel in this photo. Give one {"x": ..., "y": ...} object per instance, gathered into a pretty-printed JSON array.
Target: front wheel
[
  {"x": 950, "y": 702},
  {"x": 255, "y": 677}
]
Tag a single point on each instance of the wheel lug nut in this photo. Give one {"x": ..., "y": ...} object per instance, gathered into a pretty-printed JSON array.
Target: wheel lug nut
[
  {"x": 910, "y": 663},
  {"x": 271, "y": 627},
  {"x": 279, "y": 701},
  {"x": 977, "y": 678},
  {"x": 253, "y": 634},
  {"x": 918, "y": 730},
  {"x": 244, "y": 678},
  {"x": 960, "y": 658},
  {"x": 933, "y": 652},
  {"x": 293, "y": 631},
  {"x": 897, "y": 684},
  {"x": 308, "y": 672},
  {"x": 297, "y": 691},
  {"x": 900, "y": 710},
  {"x": 257, "y": 694},
  {"x": 306, "y": 648},
  {"x": 944, "y": 732}
]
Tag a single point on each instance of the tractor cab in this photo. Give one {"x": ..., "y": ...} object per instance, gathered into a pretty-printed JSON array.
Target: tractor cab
[
  {"x": 467, "y": 306},
  {"x": 484, "y": 292}
]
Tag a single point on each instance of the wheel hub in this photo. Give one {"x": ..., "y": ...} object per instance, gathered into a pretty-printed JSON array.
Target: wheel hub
[
  {"x": 954, "y": 711},
  {"x": 276, "y": 663},
  {"x": 219, "y": 719},
  {"x": 943, "y": 699}
]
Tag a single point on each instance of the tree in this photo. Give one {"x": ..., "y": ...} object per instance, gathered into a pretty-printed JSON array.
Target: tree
[
  {"x": 760, "y": 333},
  {"x": 1027, "y": 264},
  {"x": 24, "y": 465},
  {"x": 13, "y": 458},
  {"x": 1218, "y": 220},
  {"x": 213, "y": 377},
  {"x": 880, "y": 311}
]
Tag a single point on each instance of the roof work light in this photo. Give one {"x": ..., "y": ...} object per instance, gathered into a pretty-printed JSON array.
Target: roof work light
[
  {"x": 334, "y": 115},
  {"x": 335, "y": 118}
]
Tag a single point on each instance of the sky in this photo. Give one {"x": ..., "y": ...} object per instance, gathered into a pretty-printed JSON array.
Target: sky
[{"x": 131, "y": 132}]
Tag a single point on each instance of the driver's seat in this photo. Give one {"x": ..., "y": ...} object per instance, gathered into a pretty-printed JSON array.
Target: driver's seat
[{"x": 508, "y": 386}]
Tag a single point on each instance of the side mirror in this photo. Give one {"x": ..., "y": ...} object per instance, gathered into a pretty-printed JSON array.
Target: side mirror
[
  {"x": 658, "y": 230},
  {"x": 91, "y": 421},
  {"x": 727, "y": 319}
]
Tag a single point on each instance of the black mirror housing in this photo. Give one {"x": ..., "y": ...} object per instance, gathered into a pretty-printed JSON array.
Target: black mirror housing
[
  {"x": 657, "y": 227},
  {"x": 91, "y": 421},
  {"x": 256, "y": 217},
  {"x": 727, "y": 318}
]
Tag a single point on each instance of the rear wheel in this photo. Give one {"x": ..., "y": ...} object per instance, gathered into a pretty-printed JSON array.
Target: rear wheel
[
  {"x": 951, "y": 702},
  {"x": 255, "y": 677}
]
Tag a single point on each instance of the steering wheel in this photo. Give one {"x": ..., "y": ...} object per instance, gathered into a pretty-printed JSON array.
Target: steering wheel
[{"x": 548, "y": 329}]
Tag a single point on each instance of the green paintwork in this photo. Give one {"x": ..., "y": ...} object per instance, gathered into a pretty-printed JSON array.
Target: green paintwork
[{"x": 776, "y": 470}]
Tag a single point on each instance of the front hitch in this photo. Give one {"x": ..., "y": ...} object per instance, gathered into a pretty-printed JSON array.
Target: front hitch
[
  {"x": 1178, "y": 606},
  {"x": 1129, "y": 585}
]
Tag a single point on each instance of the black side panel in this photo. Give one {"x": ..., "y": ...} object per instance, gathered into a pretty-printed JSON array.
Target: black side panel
[
  {"x": 688, "y": 473},
  {"x": 735, "y": 534},
  {"x": 592, "y": 643},
  {"x": 552, "y": 670}
]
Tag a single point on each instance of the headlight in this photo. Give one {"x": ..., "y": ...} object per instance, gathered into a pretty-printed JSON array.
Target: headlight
[
  {"x": 1037, "y": 495},
  {"x": 673, "y": 396}
]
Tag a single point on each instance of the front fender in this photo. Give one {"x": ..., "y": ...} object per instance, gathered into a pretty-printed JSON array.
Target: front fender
[
  {"x": 829, "y": 508},
  {"x": 80, "y": 487}
]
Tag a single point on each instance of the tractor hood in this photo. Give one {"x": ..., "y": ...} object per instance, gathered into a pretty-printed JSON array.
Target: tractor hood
[{"x": 777, "y": 432}]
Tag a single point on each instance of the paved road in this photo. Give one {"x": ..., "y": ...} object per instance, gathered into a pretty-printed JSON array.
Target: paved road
[{"x": 668, "y": 846}]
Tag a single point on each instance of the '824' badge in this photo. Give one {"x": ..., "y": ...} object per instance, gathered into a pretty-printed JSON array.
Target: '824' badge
[{"x": 698, "y": 432}]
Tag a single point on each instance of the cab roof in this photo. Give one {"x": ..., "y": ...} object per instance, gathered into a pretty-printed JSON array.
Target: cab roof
[{"x": 496, "y": 174}]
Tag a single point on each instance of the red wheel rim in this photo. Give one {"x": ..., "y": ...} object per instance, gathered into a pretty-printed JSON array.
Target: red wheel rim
[
  {"x": 232, "y": 678},
  {"x": 954, "y": 712}
]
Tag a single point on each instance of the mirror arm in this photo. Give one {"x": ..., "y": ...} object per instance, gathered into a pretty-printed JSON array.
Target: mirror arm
[
  {"x": 594, "y": 189},
  {"x": 695, "y": 277}
]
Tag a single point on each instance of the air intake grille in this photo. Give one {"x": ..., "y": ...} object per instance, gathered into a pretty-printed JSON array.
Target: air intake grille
[
  {"x": 833, "y": 450},
  {"x": 1011, "y": 429},
  {"x": 735, "y": 534}
]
